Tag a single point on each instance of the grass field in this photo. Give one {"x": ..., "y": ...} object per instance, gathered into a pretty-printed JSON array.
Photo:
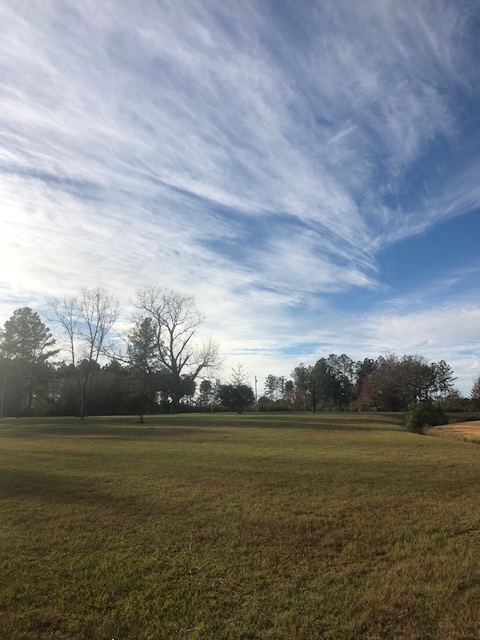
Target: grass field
[
  {"x": 335, "y": 526},
  {"x": 462, "y": 430}
]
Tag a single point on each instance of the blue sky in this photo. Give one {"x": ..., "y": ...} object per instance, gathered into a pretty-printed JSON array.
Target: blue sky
[{"x": 309, "y": 171}]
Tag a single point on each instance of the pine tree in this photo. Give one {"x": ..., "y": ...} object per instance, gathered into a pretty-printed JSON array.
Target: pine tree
[{"x": 26, "y": 344}]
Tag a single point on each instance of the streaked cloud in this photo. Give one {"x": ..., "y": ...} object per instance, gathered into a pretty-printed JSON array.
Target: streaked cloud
[{"x": 258, "y": 155}]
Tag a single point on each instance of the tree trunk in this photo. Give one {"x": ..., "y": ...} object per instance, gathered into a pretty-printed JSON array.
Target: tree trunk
[
  {"x": 82, "y": 405},
  {"x": 4, "y": 386}
]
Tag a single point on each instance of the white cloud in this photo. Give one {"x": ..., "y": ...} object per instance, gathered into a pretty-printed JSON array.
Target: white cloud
[{"x": 151, "y": 143}]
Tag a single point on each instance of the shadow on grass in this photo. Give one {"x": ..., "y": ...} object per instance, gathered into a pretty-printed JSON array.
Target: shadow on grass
[
  {"x": 327, "y": 421},
  {"x": 17, "y": 483},
  {"x": 184, "y": 425},
  {"x": 46, "y": 487},
  {"x": 95, "y": 431}
]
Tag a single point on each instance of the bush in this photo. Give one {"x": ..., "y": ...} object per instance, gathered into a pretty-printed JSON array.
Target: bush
[{"x": 424, "y": 414}]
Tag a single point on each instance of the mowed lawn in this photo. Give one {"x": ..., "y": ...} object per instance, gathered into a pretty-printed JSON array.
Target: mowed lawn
[{"x": 336, "y": 526}]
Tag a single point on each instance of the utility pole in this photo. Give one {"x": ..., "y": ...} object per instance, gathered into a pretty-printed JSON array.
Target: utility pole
[
  {"x": 256, "y": 399},
  {"x": 314, "y": 397}
]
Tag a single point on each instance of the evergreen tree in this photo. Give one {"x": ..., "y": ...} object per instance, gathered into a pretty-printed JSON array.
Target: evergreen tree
[
  {"x": 26, "y": 345},
  {"x": 145, "y": 365}
]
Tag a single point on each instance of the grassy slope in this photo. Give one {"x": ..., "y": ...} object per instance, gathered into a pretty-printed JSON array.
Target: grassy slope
[{"x": 271, "y": 526}]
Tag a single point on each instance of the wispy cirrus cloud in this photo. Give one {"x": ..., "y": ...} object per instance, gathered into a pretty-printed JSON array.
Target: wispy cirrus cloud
[{"x": 260, "y": 155}]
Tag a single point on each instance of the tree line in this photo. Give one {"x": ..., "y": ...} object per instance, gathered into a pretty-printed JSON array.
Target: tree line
[
  {"x": 150, "y": 365},
  {"x": 155, "y": 363},
  {"x": 389, "y": 383}
]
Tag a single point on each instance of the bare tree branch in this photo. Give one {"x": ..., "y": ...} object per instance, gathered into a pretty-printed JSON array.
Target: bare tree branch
[
  {"x": 176, "y": 322},
  {"x": 86, "y": 321}
]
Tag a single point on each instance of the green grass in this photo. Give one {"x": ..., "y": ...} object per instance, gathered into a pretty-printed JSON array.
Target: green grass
[{"x": 335, "y": 526}]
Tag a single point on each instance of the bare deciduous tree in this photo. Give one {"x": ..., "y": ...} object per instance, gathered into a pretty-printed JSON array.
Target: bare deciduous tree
[
  {"x": 176, "y": 321},
  {"x": 85, "y": 320}
]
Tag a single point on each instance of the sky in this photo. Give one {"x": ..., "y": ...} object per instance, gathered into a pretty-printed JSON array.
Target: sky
[{"x": 308, "y": 170}]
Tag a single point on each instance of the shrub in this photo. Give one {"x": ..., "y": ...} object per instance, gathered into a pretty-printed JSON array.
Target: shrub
[{"x": 424, "y": 414}]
